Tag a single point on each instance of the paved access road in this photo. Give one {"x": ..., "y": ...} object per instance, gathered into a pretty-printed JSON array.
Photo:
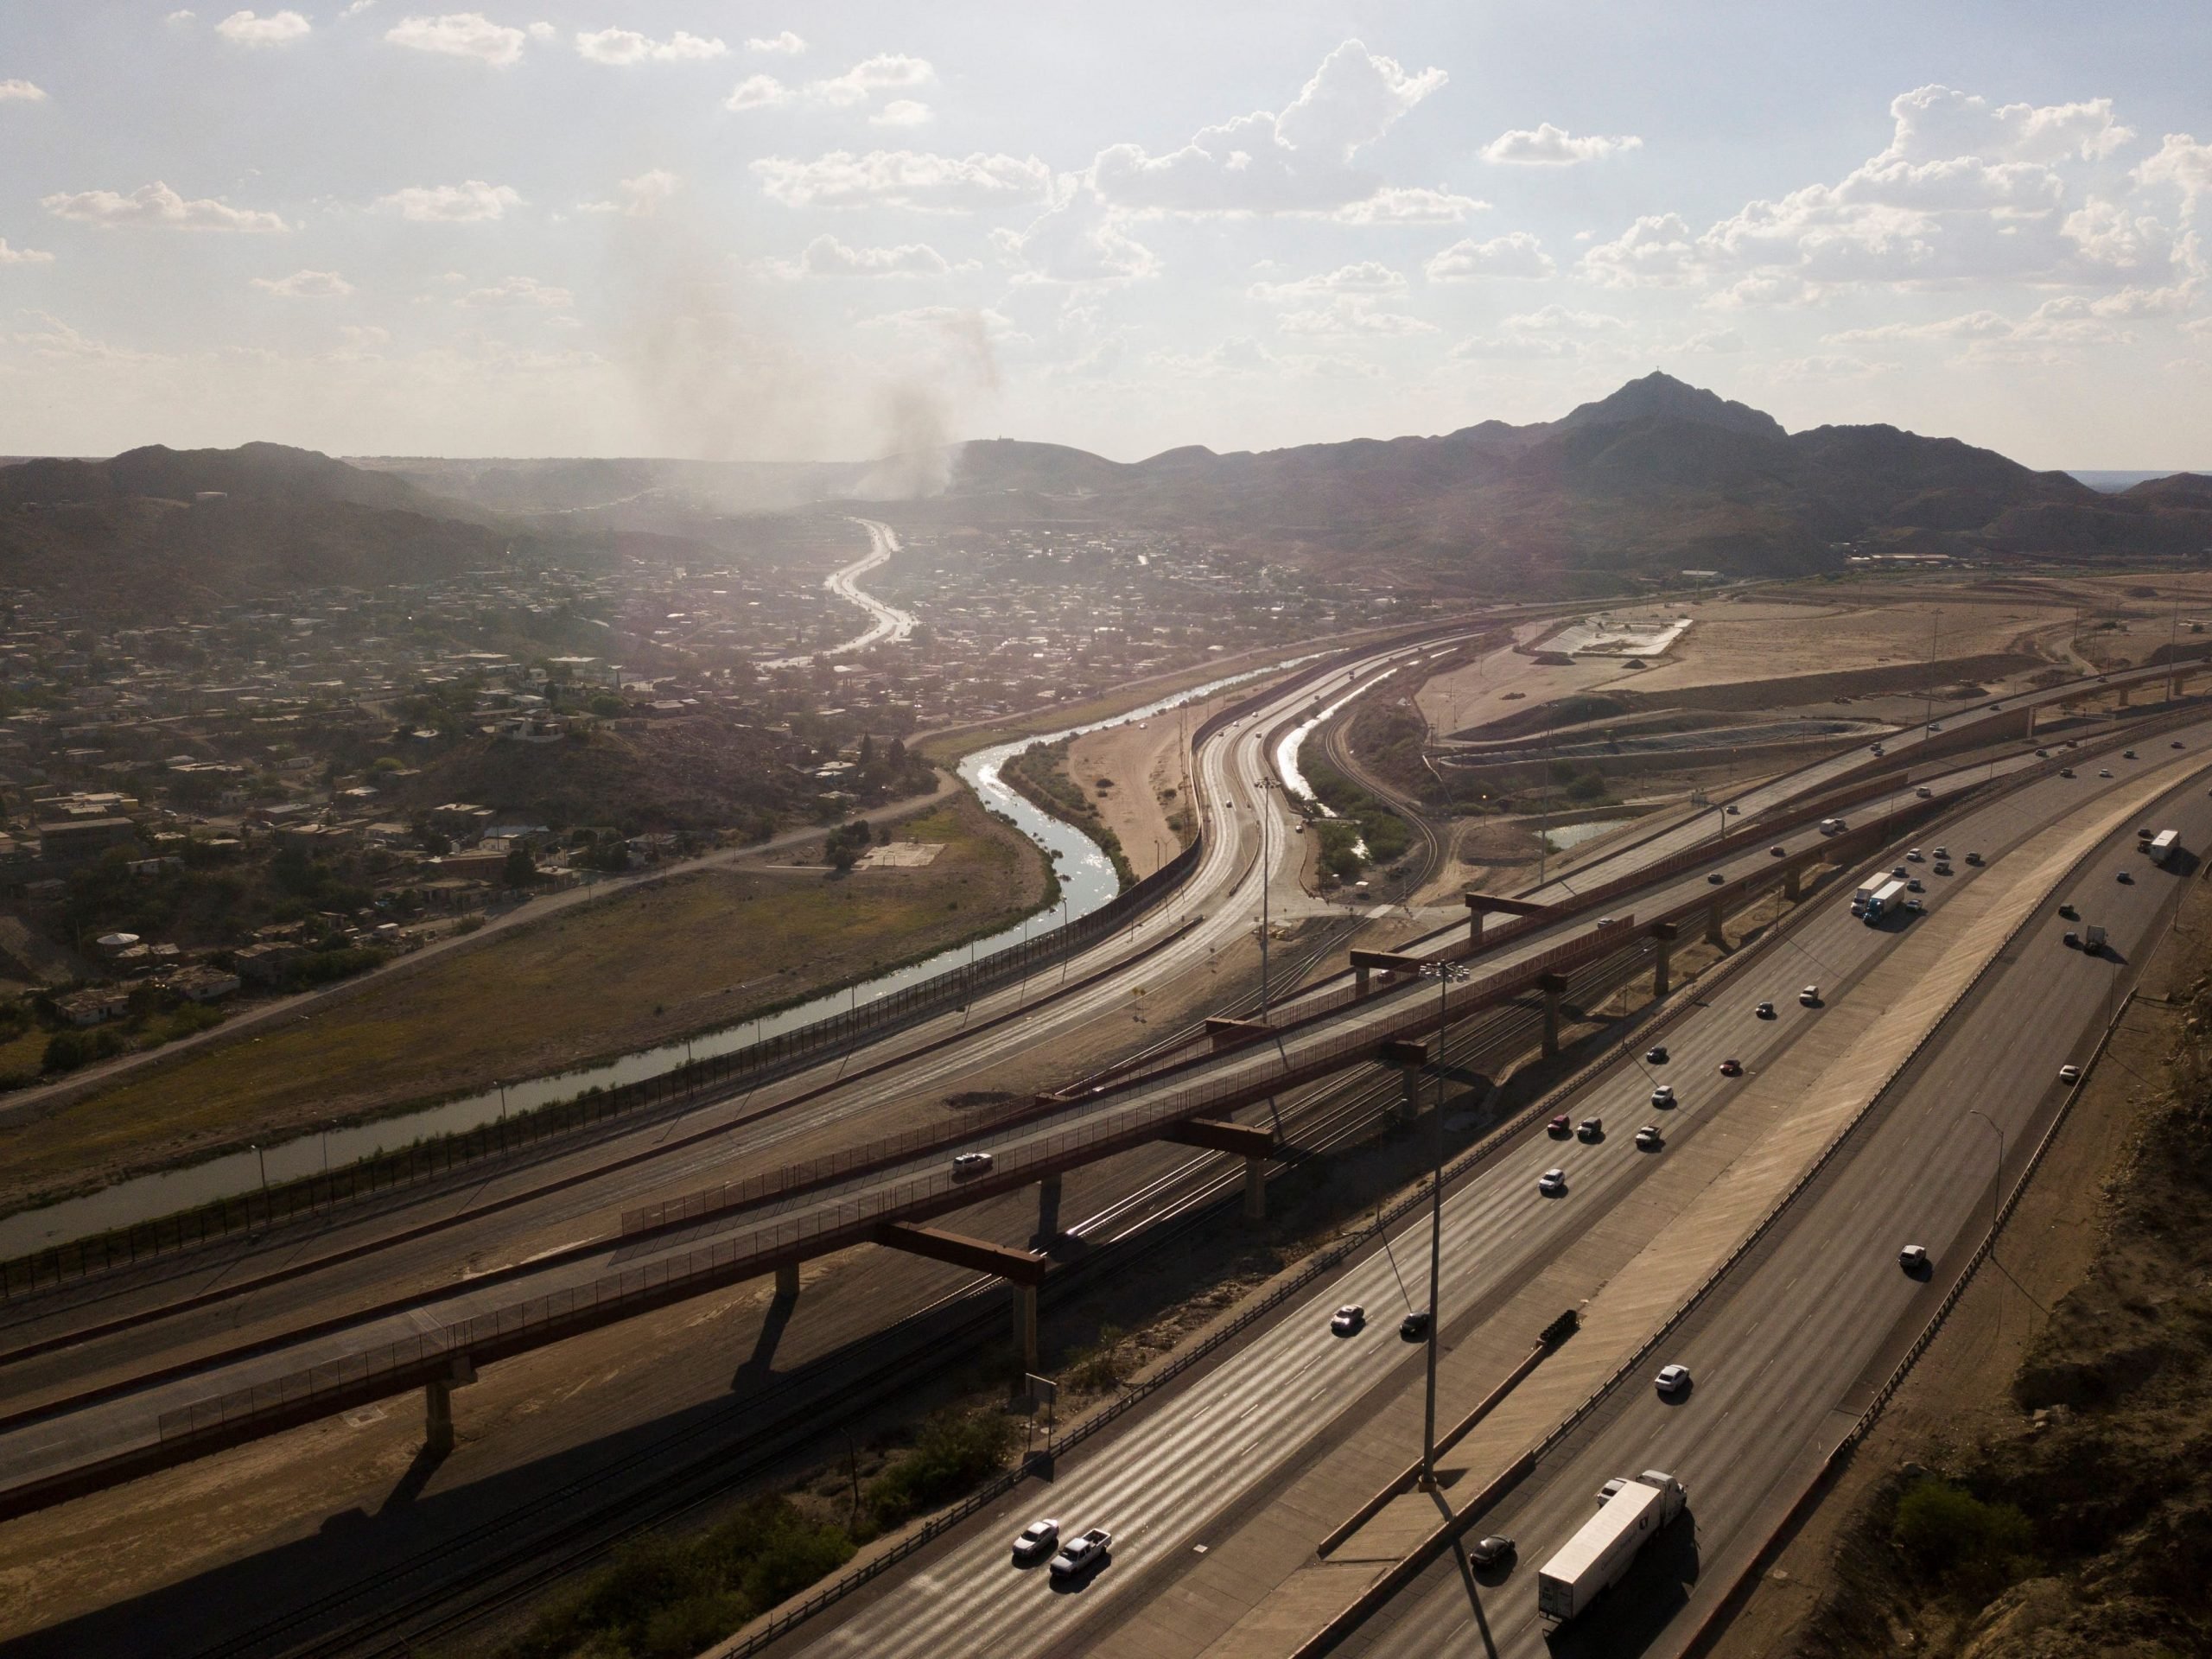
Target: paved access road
[
  {"x": 1788, "y": 1356},
  {"x": 1177, "y": 1476}
]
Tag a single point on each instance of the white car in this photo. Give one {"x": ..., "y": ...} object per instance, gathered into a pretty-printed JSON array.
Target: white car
[
  {"x": 1552, "y": 1183},
  {"x": 1810, "y": 996},
  {"x": 1673, "y": 1379},
  {"x": 1036, "y": 1541},
  {"x": 1924, "y": 793},
  {"x": 1913, "y": 1258},
  {"x": 965, "y": 1164},
  {"x": 1913, "y": 856},
  {"x": 2070, "y": 1074},
  {"x": 1663, "y": 1095},
  {"x": 1079, "y": 1555},
  {"x": 1348, "y": 1319},
  {"x": 1648, "y": 1139}
]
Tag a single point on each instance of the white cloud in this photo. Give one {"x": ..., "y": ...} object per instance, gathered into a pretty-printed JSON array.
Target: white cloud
[
  {"x": 244, "y": 29},
  {"x": 305, "y": 285},
  {"x": 356, "y": 8},
  {"x": 1517, "y": 254},
  {"x": 1367, "y": 277},
  {"x": 1939, "y": 121},
  {"x": 758, "y": 92},
  {"x": 519, "y": 290},
  {"x": 1352, "y": 313},
  {"x": 785, "y": 44},
  {"x": 2183, "y": 164},
  {"x": 1966, "y": 193},
  {"x": 1298, "y": 160},
  {"x": 1550, "y": 146},
  {"x": 1655, "y": 251},
  {"x": 459, "y": 35},
  {"x": 544, "y": 32},
  {"x": 1080, "y": 240},
  {"x": 1709, "y": 340},
  {"x": 641, "y": 196},
  {"x": 901, "y": 112},
  {"x": 1409, "y": 205},
  {"x": 457, "y": 204},
  {"x": 2057, "y": 327},
  {"x": 624, "y": 46},
  {"x": 885, "y": 72},
  {"x": 22, "y": 256},
  {"x": 156, "y": 204},
  {"x": 24, "y": 90},
  {"x": 904, "y": 178},
  {"x": 827, "y": 257},
  {"x": 1973, "y": 325},
  {"x": 180, "y": 17}
]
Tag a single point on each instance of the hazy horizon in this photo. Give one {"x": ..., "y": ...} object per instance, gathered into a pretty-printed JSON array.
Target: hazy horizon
[{"x": 714, "y": 234}]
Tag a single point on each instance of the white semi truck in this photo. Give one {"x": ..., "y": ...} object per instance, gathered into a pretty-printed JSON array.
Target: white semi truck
[
  {"x": 1630, "y": 1512},
  {"x": 1884, "y": 899}
]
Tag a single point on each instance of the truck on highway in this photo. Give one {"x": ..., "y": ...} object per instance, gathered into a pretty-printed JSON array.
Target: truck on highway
[
  {"x": 1630, "y": 1513},
  {"x": 2093, "y": 938},
  {"x": 1887, "y": 896},
  {"x": 1832, "y": 826},
  {"x": 2164, "y": 845}
]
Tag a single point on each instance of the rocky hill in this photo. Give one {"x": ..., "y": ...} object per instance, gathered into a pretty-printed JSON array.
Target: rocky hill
[
  {"x": 1659, "y": 476},
  {"x": 166, "y": 531}
]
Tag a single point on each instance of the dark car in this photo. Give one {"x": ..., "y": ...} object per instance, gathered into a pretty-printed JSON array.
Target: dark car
[
  {"x": 1561, "y": 1125},
  {"x": 1489, "y": 1552},
  {"x": 2123, "y": 878},
  {"x": 1414, "y": 1328},
  {"x": 1716, "y": 877},
  {"x": 1658, "y": 1056}
]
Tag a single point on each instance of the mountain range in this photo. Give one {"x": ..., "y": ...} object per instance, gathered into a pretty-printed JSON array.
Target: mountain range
[{"x": 1659, "y": 477}]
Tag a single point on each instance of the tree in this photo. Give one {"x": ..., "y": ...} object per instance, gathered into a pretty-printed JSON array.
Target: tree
[
  {"x": 521, "y": 868},
  {"x": 896, "y": 754},
  {"x": 868, "y": 753}
]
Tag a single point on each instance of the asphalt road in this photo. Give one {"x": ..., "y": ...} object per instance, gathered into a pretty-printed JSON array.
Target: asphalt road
[
  {"x": 1233, "y": 766},
  {"x": 1175, "y": 1478},
  {"x": 1791, "y": 1355}
]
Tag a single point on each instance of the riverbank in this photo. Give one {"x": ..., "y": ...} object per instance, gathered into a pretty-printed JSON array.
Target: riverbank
[{"x": 695, "y": 952}]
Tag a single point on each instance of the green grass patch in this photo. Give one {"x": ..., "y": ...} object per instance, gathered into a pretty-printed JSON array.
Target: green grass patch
[{"x": 1386, "y": 834}]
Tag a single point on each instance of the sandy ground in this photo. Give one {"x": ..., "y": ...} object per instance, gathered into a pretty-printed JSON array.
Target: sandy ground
[
  {"x": 1731, "y": 640},
  {"x": 1143, "y": 759},
  {"x": 1960, "y": 1389}
]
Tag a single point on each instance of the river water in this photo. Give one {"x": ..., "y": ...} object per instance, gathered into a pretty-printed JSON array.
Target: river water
[{"x": 1087, "y": 881}]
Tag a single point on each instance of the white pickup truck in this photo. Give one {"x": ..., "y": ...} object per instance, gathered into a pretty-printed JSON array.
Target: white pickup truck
[{"x": 1080, "y": 1555}]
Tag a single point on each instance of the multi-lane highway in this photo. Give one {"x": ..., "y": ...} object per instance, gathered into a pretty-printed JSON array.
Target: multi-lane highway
[
  {"x": 1215, "y": 910},
  {"x": 1185, "y": 1474},
  {"x": 1783, "y": 1363}
]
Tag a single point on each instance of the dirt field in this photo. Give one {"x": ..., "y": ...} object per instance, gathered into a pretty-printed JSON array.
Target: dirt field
[
  {"x": 686, "y": 954},
  {"x": 1144, "y": 761},
  {"x": 1733, "y": 640}
]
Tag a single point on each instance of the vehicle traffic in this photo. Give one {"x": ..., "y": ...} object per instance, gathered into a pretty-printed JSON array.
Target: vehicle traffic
[
  {"x": 1083, "y": 1556},
  {"x": 1630, "y": 1513}
]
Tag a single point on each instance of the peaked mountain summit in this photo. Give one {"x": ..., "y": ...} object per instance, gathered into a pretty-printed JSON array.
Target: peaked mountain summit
[{"x": 1657, "y": 477}]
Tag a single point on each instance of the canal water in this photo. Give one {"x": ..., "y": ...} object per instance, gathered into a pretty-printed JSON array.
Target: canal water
[{"x": 1087, "y": 881}]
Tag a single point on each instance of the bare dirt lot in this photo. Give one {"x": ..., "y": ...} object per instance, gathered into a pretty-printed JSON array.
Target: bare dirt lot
[
  {"x": 695, "y": 952},
  {"x": 1149, "y": 781}
]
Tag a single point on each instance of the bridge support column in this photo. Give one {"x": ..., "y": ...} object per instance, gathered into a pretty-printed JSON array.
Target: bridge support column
[
  {"x": 1409, "y": 1058},
  {"x": 1048, "y": 1208},
  {"x": 1025, "y": 1329},
  {"x": 1554, "y": 986},
  {"x": 1256, "y": 1187},
  {"x": 1475, "y": 913},
  {"x": 1664, "y": 935},
  {"x": 1793, "y": 882},
  {"x": 1358, "y": 980},
  {"x": 437, "y": 1406},
  {"x": 1714, "y": 932},
  {"x": 787, "y": 1283},
  {"x": 2123, "y": 696}
]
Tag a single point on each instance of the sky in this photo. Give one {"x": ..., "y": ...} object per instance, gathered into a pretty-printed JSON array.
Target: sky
[{"x": 776, "y": 232}]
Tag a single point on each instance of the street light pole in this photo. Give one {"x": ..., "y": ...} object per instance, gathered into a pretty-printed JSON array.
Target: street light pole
[
  {"x": 1997, "y": 1176},
  {"x": 1444, "y": 973}
]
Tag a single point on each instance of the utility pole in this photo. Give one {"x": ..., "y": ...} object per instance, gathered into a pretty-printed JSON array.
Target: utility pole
[
  {"x": 1444, "y": 973},
  {"x": 1266, "y": 804}
]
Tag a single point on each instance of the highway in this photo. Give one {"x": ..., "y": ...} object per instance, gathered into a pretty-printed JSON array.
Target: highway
[
  {"x": 1188, "y": 1471},
  {"x": 889, "y": 622},
  {"x": 1789, "y": 1358},
  {"x": 1226, "y": 894},
  {"x": 723, "y": 1250}
]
